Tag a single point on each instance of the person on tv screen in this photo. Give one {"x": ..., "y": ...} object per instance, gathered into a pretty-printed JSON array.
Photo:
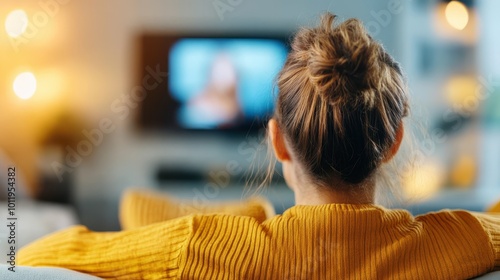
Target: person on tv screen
[{"x": 217, "y": 104}]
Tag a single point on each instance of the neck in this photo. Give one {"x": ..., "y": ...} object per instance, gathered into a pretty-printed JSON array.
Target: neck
[{"x": 313, "y": 195}]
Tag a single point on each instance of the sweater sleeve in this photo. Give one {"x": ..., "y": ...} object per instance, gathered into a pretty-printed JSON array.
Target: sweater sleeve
[
  {"x": 151, "y": 252},
  {"x": 491, "y": 224}
]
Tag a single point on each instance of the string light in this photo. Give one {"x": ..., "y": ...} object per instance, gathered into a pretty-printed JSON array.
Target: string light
[
  {"x": 25, "y": 85},
  {"x": 16, "y": 23},
  {"x": 457, "y": 15}
]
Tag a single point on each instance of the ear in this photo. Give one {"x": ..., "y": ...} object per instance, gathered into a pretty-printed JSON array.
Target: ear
[
  {"x": 277, "y": 141},
  {"x": 397, "y": 143}
]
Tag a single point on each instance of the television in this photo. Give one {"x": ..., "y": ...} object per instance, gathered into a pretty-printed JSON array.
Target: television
[{"x": 214, "y": 83}]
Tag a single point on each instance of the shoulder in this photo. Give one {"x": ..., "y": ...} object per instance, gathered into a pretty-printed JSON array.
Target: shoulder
[
  {"x": 453, "y": 219},
  {"x": 459, "y": 222},
  {"x": 446, "y": 216},
  {"x": 475, "y": 233},
  {"x": 202, "y": 223}
]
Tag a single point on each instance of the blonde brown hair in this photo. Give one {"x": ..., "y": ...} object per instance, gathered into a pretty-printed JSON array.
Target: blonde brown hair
[{"x": 341, "y": 101}]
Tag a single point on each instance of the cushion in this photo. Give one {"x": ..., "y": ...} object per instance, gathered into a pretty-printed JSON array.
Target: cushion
[{"x": 39, "y": 273}]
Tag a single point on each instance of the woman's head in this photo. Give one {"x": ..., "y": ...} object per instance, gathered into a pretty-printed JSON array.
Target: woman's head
[{"x": 340, "y": 104}]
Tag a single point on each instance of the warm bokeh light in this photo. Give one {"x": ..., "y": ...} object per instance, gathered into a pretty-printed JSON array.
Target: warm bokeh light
[
  {"x": 16, "y": 23},
  {"x": 424, "y": 180},
  {"x": 462, "y": 91},
  {"x": 50, "y": 88},
  {"x": 25, "y": 85},
  {"x": 457, "y": 15},
  {"x": 464, "y": 171}
]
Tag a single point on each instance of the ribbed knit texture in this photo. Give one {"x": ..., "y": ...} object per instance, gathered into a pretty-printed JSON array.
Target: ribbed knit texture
[
  {"x": 491, "y": 224},
  {"x": 139, "y": 208},
  {"x": 334, "y": 241},
  {"x": 151, "y": 252}
]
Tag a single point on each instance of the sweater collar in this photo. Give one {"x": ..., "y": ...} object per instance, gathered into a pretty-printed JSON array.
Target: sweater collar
[{"x": 338, "y": 209}]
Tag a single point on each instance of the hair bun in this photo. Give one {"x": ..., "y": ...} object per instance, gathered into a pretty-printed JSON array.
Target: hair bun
[{"x": 341, "y": 61}]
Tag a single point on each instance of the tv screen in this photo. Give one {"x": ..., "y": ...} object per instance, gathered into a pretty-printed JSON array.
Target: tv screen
[
  {"x": 215, "y": 83},
  {"x": 222, "y": 83}
]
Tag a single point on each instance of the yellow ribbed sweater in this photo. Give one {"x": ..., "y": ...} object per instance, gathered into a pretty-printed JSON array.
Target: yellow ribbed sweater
[{"x": 332, "y": 241}]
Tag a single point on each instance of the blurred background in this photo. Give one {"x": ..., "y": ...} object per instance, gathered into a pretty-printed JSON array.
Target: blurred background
[{"x": 100, "y": 96}]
